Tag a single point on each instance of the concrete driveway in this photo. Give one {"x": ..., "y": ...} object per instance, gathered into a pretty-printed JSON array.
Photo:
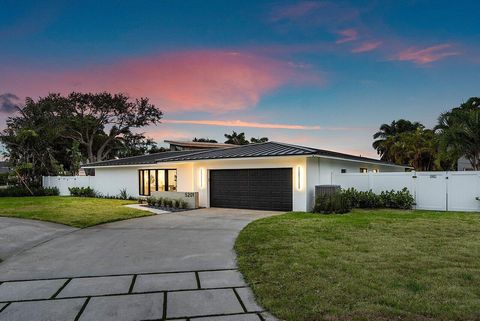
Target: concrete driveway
[{"x": 172, "y": 266}]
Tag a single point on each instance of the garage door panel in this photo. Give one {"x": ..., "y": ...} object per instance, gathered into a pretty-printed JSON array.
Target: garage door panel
[{"x": 268, "y": 189}]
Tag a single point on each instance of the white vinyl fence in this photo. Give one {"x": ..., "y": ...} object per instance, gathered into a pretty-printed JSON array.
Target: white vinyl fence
[
  {"x": 64, "y": 182},
  {"x": 444, "y": 191}
]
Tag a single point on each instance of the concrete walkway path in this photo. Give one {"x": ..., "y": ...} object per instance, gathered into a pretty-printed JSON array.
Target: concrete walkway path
[{"x": 165, "y": 267}]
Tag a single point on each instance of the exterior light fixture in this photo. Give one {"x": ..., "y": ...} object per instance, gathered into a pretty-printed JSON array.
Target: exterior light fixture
[
  {"x": 299, "y": 173},
  {"x": 201, "y": 181}
]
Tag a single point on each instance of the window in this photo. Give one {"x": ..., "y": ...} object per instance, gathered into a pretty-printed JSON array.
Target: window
[
  {"x": 156, "y": 180},
  {"x": 376, "y": 170},
  {"x": 363, "y": 170},
  {"x": 343, "y": 170}
]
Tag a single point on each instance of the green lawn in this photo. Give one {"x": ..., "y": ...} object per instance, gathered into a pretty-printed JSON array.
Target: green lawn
[
  {"x": 73, "y": 211},
  {"x": 366, "y": 265}
]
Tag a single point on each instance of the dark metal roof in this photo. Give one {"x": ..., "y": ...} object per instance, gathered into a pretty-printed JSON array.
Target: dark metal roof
[
  {"x": 268, "y": 149},
  {"x": 142, "y": 159}
]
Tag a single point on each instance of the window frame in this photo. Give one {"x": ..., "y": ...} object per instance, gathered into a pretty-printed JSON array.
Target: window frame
[{"x": 141, "y": 180}]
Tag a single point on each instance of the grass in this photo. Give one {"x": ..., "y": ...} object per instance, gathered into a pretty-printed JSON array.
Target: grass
[
  {"x": 74, "y": 211},
  {"x": 365, "y": 265}
]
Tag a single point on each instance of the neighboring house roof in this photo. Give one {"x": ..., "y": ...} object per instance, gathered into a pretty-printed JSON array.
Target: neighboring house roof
[
  {"x": 268, "y": 149},
  {"x": 198, "y": 144},
  {"x": 140, "y": 160}
]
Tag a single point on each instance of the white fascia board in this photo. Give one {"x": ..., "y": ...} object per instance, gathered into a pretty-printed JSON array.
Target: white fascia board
[{"x": 360, "y": 161}]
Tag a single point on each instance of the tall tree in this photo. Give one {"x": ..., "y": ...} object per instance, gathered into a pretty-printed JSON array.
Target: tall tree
[
  {"x": 258, "y": 140},
  {"x": 99, "y": 121},
  {"x": 236, "y": 138},
  {"x": 54, "y": 134},
  {"x": 459, "y": 131},
  {"x": 389, "y": 134}
]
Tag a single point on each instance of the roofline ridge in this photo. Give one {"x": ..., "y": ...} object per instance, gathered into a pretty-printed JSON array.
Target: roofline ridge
[
  {"x": 130, "y": 157},
  {"x": 296, "y": 146}
]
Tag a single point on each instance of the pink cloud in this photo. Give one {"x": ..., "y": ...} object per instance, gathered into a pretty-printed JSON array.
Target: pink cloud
[
  {"x": 426, "y": 55},
  {"x": 367, "y": 46},
  {"x": 209, "y": 80},
  {"x": 347, "y": 35},
  {"x": 294, "y": 11},
  {"x": 249, "y": 124}
]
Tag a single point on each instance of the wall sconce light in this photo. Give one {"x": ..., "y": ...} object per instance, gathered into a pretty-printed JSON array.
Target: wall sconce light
[
  {"x": 299, "y": 173},
  {"x": 201, "y": 178}
]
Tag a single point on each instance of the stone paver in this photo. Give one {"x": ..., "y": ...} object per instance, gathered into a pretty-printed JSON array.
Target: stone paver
[
  {"x": 29, "y": 290},
  {"x": 165, "y": 282},
  {"x": 248, "y": 299},
  {"x": 96, "y": 286},
  {"x": 218, "y": 279},
  {"x": 202, "y": 302},
  {"x": 51, "y": 310},
  {"x": 237, "y": 317},
  {"x": 124, "y": 308}
]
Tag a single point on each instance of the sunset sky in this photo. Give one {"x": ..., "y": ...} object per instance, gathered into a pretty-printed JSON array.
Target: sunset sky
[{"x": 316, "y": 73}]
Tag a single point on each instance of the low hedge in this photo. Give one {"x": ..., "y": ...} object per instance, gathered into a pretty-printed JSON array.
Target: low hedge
[
  {"x": 82, "y": 192},
  {"x": 344, "y": 200},
  {"x": 21, "y": 191},
  {"x": 387, "y": 199}
]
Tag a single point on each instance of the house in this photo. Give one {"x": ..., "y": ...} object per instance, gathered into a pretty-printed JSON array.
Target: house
[
  {"x": 179, "y": 145},
  {"x": 463, "y": 164},
  {"x": 267, "y": 176},
  {"x": 270, "y": 176}
]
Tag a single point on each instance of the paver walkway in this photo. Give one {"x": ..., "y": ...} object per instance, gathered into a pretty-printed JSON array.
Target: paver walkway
[{"x": 165, "y": 267}]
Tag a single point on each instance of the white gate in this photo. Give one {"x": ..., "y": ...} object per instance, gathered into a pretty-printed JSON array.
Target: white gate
[{"x": 431, "y": 191}]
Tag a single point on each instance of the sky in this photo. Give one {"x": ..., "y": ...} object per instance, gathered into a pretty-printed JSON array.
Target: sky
[{"x": 324, "y": 74}]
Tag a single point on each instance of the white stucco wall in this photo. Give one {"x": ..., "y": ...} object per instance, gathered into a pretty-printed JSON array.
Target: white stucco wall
[{"x": 110, "y": 180}]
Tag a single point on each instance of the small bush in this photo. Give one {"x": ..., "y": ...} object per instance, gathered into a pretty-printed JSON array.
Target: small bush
[
  {"x": 167, "y": 202},
  {"x": 123, "y": 194},
  {"x": 83, "y": 192},
  {"x": 151, "y": 201},
  {"x": 336, "y": 203},
  {"x": 176, "y": 203},
  {"x": 183, "y": 204}
]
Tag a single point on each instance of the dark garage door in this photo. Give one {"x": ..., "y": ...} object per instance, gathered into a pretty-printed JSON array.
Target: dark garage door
[{"x": 260, "y": 189}]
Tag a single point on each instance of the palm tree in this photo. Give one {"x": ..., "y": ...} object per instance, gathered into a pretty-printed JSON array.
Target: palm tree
[
  {"x": 236, "y": 138},
  {"x": 459, "y": 131},
  {"x": 388, "y": 135}
]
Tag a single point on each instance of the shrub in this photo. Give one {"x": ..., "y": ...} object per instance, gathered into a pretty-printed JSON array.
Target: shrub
[
  {"x": 83, "y": 192},
  {"x": 167, "y": 202},
  {"x": 151, "y": 201},
  {"x": 159, "y": 202},
  {"x": 176, "y": 203},
  {"x": 387, "y": 199},
  {"x": 123, "y": 194},
  {"x": 183, "y": 204},
  {"x": 335, "y": 203},
  {"x": 18, "y": 191}
]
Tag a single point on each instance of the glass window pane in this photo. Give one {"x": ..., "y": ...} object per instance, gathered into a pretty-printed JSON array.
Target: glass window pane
[
  {"x": 140, "y": 183},
  {"x": 172, "y": 180},
  {"x": 153, "y": 181},
  {"x": 161, "y": 180},
  {"x": 145, "y": 183}
]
